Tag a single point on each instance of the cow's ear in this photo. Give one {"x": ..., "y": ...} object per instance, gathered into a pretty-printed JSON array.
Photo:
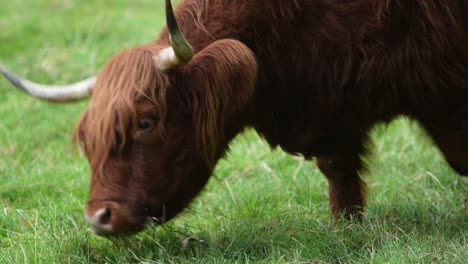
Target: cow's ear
[
  {"x": 226, "y": 70},
  {"x": 222, "y": 80}
]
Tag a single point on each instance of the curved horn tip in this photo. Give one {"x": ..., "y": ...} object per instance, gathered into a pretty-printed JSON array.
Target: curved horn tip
[
  {"x": 12, "y": 78},
  {"x": 52, "y": 93}
]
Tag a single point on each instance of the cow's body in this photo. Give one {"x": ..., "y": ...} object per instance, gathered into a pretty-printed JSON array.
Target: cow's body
[
  {"x": 310, "y": 76},
  {"x": 330, "y": 70}
]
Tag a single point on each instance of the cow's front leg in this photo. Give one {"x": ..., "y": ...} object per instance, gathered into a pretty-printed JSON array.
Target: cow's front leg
[{"x": 346, "y": 189}]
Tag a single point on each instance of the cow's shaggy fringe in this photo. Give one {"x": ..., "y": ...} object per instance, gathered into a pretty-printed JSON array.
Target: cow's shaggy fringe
[{"x": 127, "y": 78}]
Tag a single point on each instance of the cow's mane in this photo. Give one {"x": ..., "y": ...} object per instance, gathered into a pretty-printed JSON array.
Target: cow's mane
[{"x": 112, "y": 115}]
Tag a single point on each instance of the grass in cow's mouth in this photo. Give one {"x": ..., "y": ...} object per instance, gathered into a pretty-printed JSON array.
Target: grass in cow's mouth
[{"x": 260, "y": 206}]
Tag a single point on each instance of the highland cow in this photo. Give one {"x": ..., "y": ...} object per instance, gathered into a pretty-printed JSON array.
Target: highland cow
[{"x": 310, "y": 76}]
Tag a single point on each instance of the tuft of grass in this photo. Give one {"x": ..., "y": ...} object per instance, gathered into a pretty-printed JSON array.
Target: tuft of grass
[{"x": 259, "y": 206}]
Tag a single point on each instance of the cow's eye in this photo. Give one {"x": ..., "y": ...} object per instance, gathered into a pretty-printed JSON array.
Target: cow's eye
[{"x": 145, "y": 123}]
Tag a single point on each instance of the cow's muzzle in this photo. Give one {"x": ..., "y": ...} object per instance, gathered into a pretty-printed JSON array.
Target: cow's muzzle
[{"x": 110, "y": 217}]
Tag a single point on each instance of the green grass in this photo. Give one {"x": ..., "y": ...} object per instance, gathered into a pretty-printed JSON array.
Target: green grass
[{"x": 260, "y": 206}]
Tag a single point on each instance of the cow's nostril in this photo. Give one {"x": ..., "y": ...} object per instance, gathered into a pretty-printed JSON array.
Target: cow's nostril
[{"x": 104, "y": 215}]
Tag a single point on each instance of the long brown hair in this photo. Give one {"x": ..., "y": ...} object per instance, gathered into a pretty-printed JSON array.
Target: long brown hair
[{"x": 111, "y": 115}]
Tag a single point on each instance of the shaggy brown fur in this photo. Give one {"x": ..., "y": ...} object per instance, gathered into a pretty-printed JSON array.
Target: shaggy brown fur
[
  {"x": 324, "y": 73},
  {"x": 126, "y": 79}
]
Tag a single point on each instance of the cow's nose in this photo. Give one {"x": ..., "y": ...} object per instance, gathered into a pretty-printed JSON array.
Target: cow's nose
[
  {"x": 100, "y": 221},
  {"x": 110, "y": 218}
]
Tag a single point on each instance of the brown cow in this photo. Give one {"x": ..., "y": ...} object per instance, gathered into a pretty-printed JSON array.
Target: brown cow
[{"x": 310, "y": 76}]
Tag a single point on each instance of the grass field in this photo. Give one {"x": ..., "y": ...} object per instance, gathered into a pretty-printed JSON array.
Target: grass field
[{"x": 259, "y": 207}]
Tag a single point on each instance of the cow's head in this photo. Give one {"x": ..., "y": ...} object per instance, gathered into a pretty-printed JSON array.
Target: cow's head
[{"x": 159, "y": 118}]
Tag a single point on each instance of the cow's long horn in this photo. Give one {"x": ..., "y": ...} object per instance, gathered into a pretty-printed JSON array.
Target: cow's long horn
[
  {"x": 59, "y": 93},
  {"x": 181, "y": 51}
]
